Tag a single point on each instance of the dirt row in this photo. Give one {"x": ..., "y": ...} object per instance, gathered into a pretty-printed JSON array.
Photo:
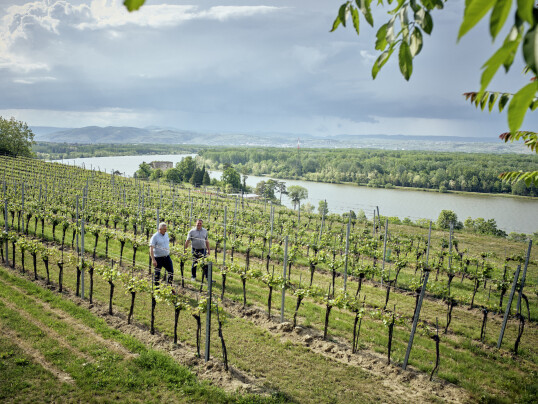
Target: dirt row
[{"x": 409, "y": 385}]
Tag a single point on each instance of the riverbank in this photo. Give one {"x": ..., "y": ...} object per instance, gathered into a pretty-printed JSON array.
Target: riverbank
[{"x": 510, "y": 214}]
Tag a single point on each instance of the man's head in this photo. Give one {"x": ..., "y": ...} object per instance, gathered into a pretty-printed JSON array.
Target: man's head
[
  {"x": 162, "y": 228},
  {"x": 199, "y": 224}
]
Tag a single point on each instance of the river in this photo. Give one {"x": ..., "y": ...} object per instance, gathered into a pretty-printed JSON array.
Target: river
[{"x": 511, "y": 214}]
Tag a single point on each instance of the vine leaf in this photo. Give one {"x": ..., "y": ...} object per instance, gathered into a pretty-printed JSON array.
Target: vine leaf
[
  {"x": 525, "y": 10},
  {"x": 381, "y": 60},
  {"x": 133, "y": 5},
  {"x": 498, "y": 16},
  {"x": 406, "y": 60},
  {"x": 519, "y": 104},
  {"x": 494, "y": 62},
  {"x": 475, "y": 10},
  {"x": 530, "y": 49}
]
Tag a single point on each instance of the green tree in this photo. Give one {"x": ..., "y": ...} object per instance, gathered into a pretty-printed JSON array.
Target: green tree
[
  {"x": 323, "y": 208},
  {"x": 206, "y": 180},
  {"x": 307, "y": 208},
  {"x": 281, "y": 188},
  {"x": 156, "y": 174},
  {"x": 197, "y": 177},
  {"x": 296, "y": 194},
  {"x": 173, "y": 175},
  {"x": 231, "y": 177},
  {"x": 144, "y": 171},
  {"x": 16, "y": 138},
  {"x": 446, "y": 217},
  {"x": 186, "y": 168}
]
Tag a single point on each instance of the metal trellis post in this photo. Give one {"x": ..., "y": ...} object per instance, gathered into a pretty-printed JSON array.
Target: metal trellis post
[{"x": 419, "y": 305}]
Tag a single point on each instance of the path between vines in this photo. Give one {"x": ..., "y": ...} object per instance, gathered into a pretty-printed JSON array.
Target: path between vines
[{"x": 410, "y": 385}]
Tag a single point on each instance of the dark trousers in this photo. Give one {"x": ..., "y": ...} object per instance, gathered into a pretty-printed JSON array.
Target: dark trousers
[
  {"x": 197, "y": 253},
  {"x": 166, "y": 263}
]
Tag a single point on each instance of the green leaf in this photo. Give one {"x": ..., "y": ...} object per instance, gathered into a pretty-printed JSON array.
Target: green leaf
[
  {"x": 525, "y": 10},
  {"x": 483, "y": 100},
  {"x": 439, "y": 4},
  {"x": 364, "y": 6},
  {"x": 530, "y": 49},
  {"x": 343, "y": 12},
  {"x": 406, "y": 60},
  {"x": 404, "y": 23},
  {"x": 336, "y": 23},
  {"x": 519, "y": 104},
  {"x": 496, "y": 60},
  {"x": 498, "y": 16},
  {"x": 514, "y": 35},
  {"x": 503, "y": 101},
  {"x": 475, "y": 10},
  {"x": 133, "y": 5},
  {"x": 390, "y": 31},
  {"x": 427, "y": 24},
  {"x": 415, "y": 45},
  {"x": 381, "y": 42},
  {"x": 355, "y": 19},
  {"x": 381, "y": 60},
  {"x": 492, "y": 99}
]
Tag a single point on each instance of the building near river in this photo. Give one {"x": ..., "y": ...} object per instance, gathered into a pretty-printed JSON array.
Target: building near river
[{"x": 163, "y": 165}]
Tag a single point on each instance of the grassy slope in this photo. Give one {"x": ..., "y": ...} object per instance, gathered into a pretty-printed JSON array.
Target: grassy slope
[{"x": 98, "y": 372}]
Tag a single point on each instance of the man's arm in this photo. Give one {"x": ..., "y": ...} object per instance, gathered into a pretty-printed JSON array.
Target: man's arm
[
  {"x": 207, "y": 246},
  {"x": 188, "y": 240},
  {"x": 151, "y": 254}
]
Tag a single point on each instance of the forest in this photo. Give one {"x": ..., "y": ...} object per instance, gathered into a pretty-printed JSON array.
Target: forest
[{"x": 440, "y": 171}]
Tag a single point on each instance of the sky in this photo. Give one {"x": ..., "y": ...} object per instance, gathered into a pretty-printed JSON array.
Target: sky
[{"x": 243, "y": 66}]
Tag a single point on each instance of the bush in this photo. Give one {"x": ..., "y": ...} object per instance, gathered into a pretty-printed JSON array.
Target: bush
[
  {"x": 517, "y": 236},
  {"x": 446, "y": 217}
]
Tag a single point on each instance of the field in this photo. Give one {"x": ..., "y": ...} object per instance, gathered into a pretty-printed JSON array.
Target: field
[{"x": 347, "y": 345}]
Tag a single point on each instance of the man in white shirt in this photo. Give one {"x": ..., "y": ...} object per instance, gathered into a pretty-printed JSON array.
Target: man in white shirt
[{"x": 159, "y": 250}]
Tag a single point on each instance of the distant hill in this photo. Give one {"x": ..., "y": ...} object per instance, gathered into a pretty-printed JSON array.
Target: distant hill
[
  {"x": 42, "y": 131},
  {"x": 132, "y": 135}
]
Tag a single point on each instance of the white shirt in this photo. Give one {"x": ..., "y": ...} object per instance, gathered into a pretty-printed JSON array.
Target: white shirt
[{"x": 161, "y": 244}]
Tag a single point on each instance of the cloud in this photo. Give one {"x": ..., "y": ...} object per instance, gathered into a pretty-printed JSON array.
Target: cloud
[
  {"x": 28, "y": 28},
  {"x": 33, "y": 80},
  {"x": 231, "y": 65},
  {"x": 368, "y": 57},
  {"x": 75, "y": 119},
  {"x": 106, "y": 14},
  {"x": 309, "y": 57}
]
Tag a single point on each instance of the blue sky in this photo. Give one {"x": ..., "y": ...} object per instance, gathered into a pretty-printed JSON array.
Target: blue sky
[{"x": 247, "y": 66}]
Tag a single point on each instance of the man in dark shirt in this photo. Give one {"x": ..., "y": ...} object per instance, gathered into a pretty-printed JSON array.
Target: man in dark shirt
[{"x": 200, "y": 245}]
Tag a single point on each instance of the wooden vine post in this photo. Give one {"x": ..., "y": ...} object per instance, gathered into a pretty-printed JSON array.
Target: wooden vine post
[
  {"x": 284, "y": 283},
  {"x": 384, "y": 250},
  {"x": 6, "y": 220},
  {"x": 419, "y": 305},
  {"x": 208, "y": 311},
  {"x": 508, "y": 305},
  {"x": 82, "y": 258},
  {"x": 347, "y": 251},
  {"x": 224, "y": 238},
  {"x": 522, "y": 285}
]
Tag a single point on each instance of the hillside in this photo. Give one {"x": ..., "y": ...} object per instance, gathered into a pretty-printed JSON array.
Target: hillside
[{"x": 133, "y": 135}]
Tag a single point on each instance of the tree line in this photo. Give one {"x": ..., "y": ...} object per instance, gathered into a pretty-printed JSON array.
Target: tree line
[{"x": 467, "y": 172}]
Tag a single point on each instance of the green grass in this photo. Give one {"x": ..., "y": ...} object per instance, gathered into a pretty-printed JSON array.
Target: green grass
[{"x": 147, "y": 377}]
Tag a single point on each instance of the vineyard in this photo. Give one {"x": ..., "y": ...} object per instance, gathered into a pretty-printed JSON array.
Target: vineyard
[{"x": 304, "y": 308}]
